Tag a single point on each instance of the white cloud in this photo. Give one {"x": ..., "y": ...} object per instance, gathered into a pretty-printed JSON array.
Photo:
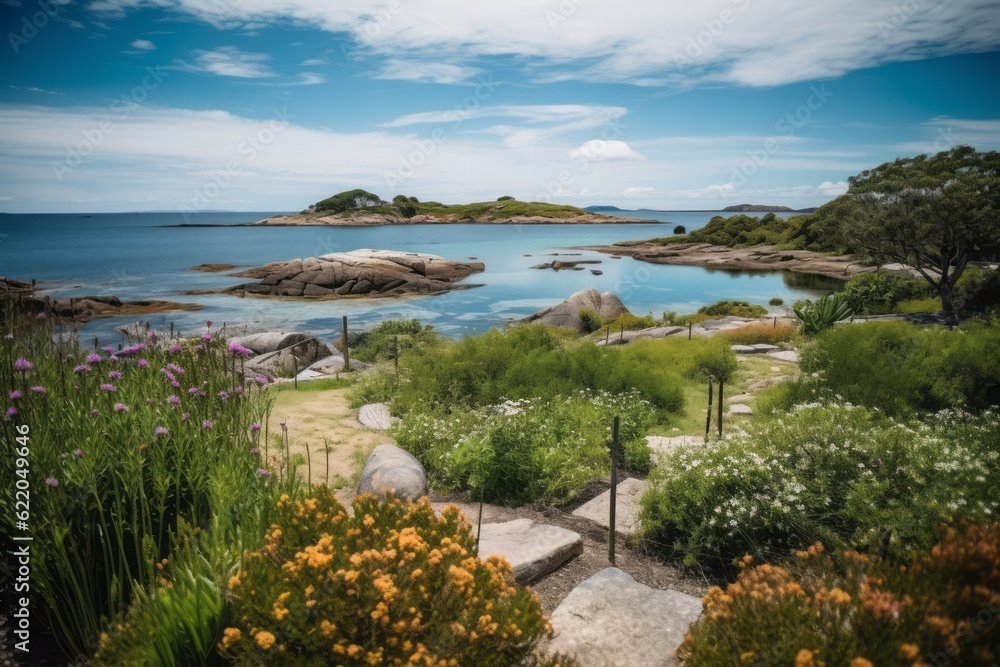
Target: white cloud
[
  {"x": 5, "y": 198},
  {"x": 646, "y": 42},
  {"x": 231, "y": 61},
  {"x": 599, "y": 149},
  {"x": 429, "y": 72},
  {"x": 568, "y": 116},
  {"x": 143, "y": 45},
  {"x": 943, "y": 133},
  {"x": 312, "y": 62}
]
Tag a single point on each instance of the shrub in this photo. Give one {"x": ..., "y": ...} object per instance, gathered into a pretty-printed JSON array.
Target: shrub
[
  {"x": 349, "y": 201},
  {"x": 505, "y": 198},
  {"x": 776, "y": 301},
  {"x": 680, "y": 229},
  {"x": 378, "y": 384},
  {"x": 901, "y": 368},
  {"x": 852, "y": 610},
  {"x": 878, "y": 292},
  {"x": 377, "y": 344},
  {"x": 391, "y": 585},
  {"x": 629, "y": 322},
  {"x": 733, "y": 309},
  {"x": 761, "y": 332},
  {"x": 842, "y": 475},
  {"x": 404, "y": 206},
  {"x": 823, "y": 313},
  {"x": 978, "y": 290},
  {"x": 529, "y": 449},
  {"x": 590, "y": 321}
]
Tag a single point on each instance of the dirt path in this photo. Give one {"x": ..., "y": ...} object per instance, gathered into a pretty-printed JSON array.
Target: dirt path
[{"x": 316, "y": 419}]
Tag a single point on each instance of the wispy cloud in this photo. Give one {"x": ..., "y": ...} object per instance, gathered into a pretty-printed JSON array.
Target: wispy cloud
[
  {"x": 143, "y": 45},
  {"x": 429, "y": 72},
  {"x": 569, "y": 116},
  {"x": 231, "y": 61}
]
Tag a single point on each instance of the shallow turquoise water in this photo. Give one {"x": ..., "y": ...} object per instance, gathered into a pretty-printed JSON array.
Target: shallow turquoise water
[{"x": 136, "y": 256}]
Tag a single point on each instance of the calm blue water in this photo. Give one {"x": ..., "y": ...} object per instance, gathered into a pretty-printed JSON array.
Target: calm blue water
[{"x": 133, "y": 256}]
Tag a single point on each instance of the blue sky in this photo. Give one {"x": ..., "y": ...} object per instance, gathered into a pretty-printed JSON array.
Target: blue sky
[{"x": 120, "y": 105}]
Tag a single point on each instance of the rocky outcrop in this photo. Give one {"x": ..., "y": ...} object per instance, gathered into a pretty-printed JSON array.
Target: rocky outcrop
[
  {"x": 281, "y": 354},
  {"x": 369, "y": 219},
  {"x": 532, "y": 549},
  {"x": 79, "y": 310},
  {"x": 760, "y": 258},
  {"x": 573, "y": 265},
  {"x": 627, "y": 504},
  {"x": 567, "y": 313},
  {"x": 390, "y": 469},
  {"x": 358, "y": 273}
]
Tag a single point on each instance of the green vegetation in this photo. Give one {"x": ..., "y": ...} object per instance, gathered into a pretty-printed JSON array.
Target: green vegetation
[
  {"x": 776, "y": 301},
  {"x": 350, "y": 200},
  {"x": 353, "y": 201},
  {"x": 844, "y": 475},
  {"x": 391, "y": 337},
  {"x": 858, "y": 611},
  {"x": 761, "y": 332},
  {"x": 823, "y": 313}
]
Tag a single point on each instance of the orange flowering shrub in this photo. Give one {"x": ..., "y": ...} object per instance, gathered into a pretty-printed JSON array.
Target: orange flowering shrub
[
  {"x": 939, "y": 609},
  {"x": 392, "y": 585},
  {"x": 761, "y": 332}
]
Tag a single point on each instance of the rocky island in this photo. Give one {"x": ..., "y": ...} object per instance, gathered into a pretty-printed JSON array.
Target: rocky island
[
  {"x": 359, "y": 273},
  {"x": 358, "y": 208}
]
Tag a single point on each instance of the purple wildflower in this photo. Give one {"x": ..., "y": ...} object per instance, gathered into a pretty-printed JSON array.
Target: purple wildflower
[
  {"x": 152, "y": 337},
  {"x": 255, "y": 451},
  {"x": 109, "y": 349},
  {"x": 175, "y": 400},
  {"x": 261, "y": 380},
  {"x": 115, "y": 375},
  {"x": 95, "y": 413},
  {"x": 224, "y": 395},
  {"x": 206, "y": 336},
  {"x": 255, "y": 427},
  {"x": 175, "y": 348},
  {"x": 113, "y": 358},
  {"x": 161, "y": 432},
  {"x": 186, "y": 416},
  {"x": 206, "y": 424},
  {"x": 51, "y": 481},
  {"x": 175, "y": 369},
  {"x": 40, "y": 390},
  {"x": 82, "y": 368},
  {"x": 193, "y": 390},
  {"x": 208, "y": 323},
  {"x": 142, "y": 363},
  {"x": 93, "y": 358},
  {"x": 121, "y": 407},
  {"x": 283, "y": 424},
  {"x": 11, "y": 411},
  {"x": 78, "y": 453},
  {"x": 264, "y": 472},
  {"x": 108, "y": 387},
  {"x": 14, "y": 395},
  {"x": 238, "y": 350},
  {"x": 40, "y": 316},
  {"x": 22, "y": 364}
]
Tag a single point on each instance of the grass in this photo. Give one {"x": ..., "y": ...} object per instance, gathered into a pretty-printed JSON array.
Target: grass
[
  {"x": 917, "y": 306},
  {"x": 326, "y": 384}
]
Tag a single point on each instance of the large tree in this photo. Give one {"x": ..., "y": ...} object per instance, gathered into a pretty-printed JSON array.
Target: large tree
[{"x": 935, "y": 214}]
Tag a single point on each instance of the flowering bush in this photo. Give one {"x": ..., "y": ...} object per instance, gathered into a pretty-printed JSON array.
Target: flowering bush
[
  {"x": 391, "y": 585},
  {"x": 840, "y": 474},
  {"x": 761, "y": 332},
  {"x": 524, "y": 450},
  {"x": 941, "y": 608}
]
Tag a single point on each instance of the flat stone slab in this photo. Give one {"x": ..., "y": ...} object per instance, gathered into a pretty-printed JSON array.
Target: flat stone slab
[
  {"x": 376, "y": 416},
  {"x": 745, "y": 349},
  {"x": 769, "y": 382},
  {"x": 660, "y": 446},
  {"x": 790, "y": 356},
  {"x": 533, "y": 549},
  {"x": 598, "y": 509},
  {"x": 739, "y": 398},
  {"x": 611, "y": 620},
  {"x": 740, "y": 409},
  {"x": 764, "y": 347},
  {"x": 629, "y": 336}
]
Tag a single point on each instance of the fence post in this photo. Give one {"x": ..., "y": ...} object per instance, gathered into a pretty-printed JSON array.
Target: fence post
[
  {"x": 295, "y": 369},
  {"x": 690, "y": 327},
  {"x": 720, "y": 408},
  {"x": 708, "y": 415},
  {"x": 614, "y": 488},
  {"x": 347, "y": 351},
  {"x": 395, "y": 352}
]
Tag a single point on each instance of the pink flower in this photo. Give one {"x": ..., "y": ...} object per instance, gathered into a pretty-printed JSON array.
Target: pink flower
[
  {"x": 82, "y": 368},
  {"x": 238, "y": 350},
  {"x": 108, "y": 387},
  {"x": 78, "y": 453},
  {"x": 109, "y": 349},
  {"x": 22, "y": 364},
  {"x": 206, "y": 336},
  {"x": 95, "y": 413},
  {"x": 142, "y": 363},
  {"x": 206, "y": 424},
  {"x": 115, "y": 375},
  {"x": 14, "y": 395},
  {"x": 121, "y": 407},
  {"x": 11, "y": 411},
  {"x": 264, "y": 472},
  {"x": 175, "y": 384},
  {"x": 224, "y": 395},
  {"x": 40, "y": 316},
  {"x": 51, "y": 481},
  {"x": 261, "y": 380},
  {"x": 161, "y": 432},
  {"x": 208, "y": 323},
  {"x": 255, "y": 451},
  {"x": 186, "y": 416},
  {"x": 283, "y": 424},
  {"x": 193, "y": 390},
  {"x": 152, "y": 337},
  {"x": 93, "y": 358},
  {"x": 175, "y": 369},
  {"x": 175, "y": 348},
  {"x": 40, "y": 390},
  {"x": 175, "y": 400},
  {"x": 255, "y": 427}
]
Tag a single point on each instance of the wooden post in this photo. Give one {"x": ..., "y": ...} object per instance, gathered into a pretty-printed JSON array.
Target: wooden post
[
  {"x": 607, "y": 334},
  {"x": 621, "y": 337},
  {"x": 720, "y": 408},
  {"x": 395, "y": 352},
  {"x": 347, "y": 351},
  {"x": 690, "y": 327},
  {"x": 708, "y": 415},
  {"x": 479, "y": 522},
  {"x": 171, "y": 331},
  {"x": 295, "y": 367},
  {"x": 775, "y": 322},
  {"x": 614, "y": 488}
]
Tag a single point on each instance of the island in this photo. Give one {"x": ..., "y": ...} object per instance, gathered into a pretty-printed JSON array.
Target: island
[
  {"x": 359, "y": 273},
  {"x": 764, "y": 208},
  {"x": 359, "y": 208}
]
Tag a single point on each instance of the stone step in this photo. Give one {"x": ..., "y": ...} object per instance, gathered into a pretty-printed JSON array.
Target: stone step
[
  {"x": 533, "y": 549},
  {"x": 629, "y": 494}
]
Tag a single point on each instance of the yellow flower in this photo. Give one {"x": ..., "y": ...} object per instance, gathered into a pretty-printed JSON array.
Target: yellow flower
[
  {"x": 804, "y": 658},
  {"x": 234, "y": 581},
  {"x": 327, "y": 628},
  {"x": 264, "y": 639},
  {"x": 909, "y": 651},
  {"x": 840, "y": 597},
  {"x": 230, "y": 636},
  {"x": 861, "y": 662}
]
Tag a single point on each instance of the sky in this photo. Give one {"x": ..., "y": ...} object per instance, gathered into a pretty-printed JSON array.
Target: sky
[{"x": 271, "y": 105}]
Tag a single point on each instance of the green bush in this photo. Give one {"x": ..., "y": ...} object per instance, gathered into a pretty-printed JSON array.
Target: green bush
[
  {"x": 378, "y": 384},
  {"x": 978, "y": 290},
  {"x": 733, "y": 309},
  {"x": 901, "y": 368},
  {"x": 590, "y": 321},
  {"x": 629, "y": 322},
  {"x": 857, "y": 611},
  {"x": 377, "y": 345},
  {"x": 392, "y": 584},
  {"x": 349, "y": 201},
  {"x": 819, "y": 315},
  {"x": 776, "y": 301},
  {"x": 878, "y": 292},
  {"x": 845, "y": 476},
  {"x": 680, "y": 229},
  {"x": 524, "y": 450}
]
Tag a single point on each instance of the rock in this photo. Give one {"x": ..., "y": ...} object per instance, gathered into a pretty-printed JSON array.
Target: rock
[
  {"x": 213, "y": 268},
  {"x": 739, "y": 398},
  {"x": 629, "y": 336},
  {"x": 769, "y": 382},
  {"x": 558, "y": 265},
  {"x": 376, "y": 416},
  {"x": 390, "y": 469},
  {"x": 740, "y": 409},
  {"x": 764, "y": 347},
  {"x": 744, "y": 349},
  {"x": 790, "y": 356},
  {"x": 611, "y": 620},
  {"x": 598, "y": 509},
  {"x": 567, "y": 313},
  {"x": 533, "y": 549},
  {"x": 281, "y": 354},
  {"x": 358, "y": 273},
  {"x": 597, "y": 272}
]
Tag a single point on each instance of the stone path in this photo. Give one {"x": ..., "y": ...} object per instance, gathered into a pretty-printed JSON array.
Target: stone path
[
  {"x": 533, "y": 549},
  {"x": 598, "y": 509},
  {"x": 785, "y": 355},
  {"x": 376, "y": 416},
  {"x": 611, "y": 620},
  {"x": 740, "y": 409}
]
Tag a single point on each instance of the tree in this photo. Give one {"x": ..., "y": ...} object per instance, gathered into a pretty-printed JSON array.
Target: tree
[
  {"x": 404, "y": 205},
  {"x": 935, "y": 214},
  {"x": 348, "y": 201}
]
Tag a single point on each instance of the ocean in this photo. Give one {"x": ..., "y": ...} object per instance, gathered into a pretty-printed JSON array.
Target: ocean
[{"x": 140, "y": 256}]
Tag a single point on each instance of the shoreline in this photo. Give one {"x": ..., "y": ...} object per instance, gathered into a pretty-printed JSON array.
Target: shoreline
[{"x": 757, "y": 258}]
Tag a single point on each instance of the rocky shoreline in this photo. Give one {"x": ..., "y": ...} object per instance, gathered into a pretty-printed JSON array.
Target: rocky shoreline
[
  {"x": 759, "y": 258},
  {"x": 367, "y": 219}
]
